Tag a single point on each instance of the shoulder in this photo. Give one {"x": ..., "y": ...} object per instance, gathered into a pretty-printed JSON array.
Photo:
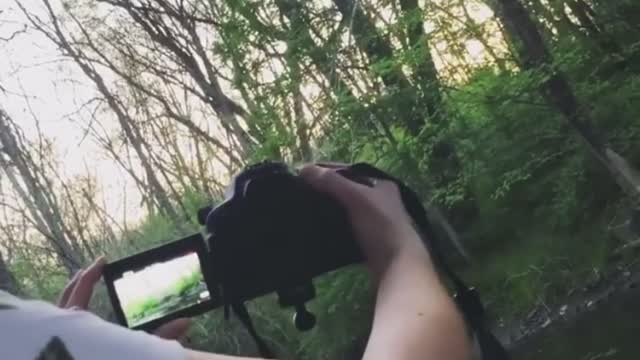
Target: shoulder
[{"x": 38, "y": 330}]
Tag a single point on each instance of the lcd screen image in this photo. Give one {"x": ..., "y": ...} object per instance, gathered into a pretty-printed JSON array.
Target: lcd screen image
[{"x": 161, "y": 288}]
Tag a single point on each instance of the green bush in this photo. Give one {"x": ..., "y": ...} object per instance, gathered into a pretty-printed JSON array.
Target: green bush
[
  {"x": 139, "y": 310},
  {"x": 188, "y": 282}
]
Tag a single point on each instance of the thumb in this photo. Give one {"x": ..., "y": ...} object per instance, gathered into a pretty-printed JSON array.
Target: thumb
[
  {"x": 329, "y": 181},
  {"x": 174, "y": 330}
]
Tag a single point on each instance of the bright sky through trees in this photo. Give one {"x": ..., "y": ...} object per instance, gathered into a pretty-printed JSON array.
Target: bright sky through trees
[{"x": 46, "y": 90}]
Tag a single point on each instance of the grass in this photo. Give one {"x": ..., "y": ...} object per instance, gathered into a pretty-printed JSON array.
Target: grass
[
  {"x": 538, "y": 269},
  {"x": 188, "y": 282},
  {"x": 137, "y": 311},
  {"x": 149, "y": 306}
]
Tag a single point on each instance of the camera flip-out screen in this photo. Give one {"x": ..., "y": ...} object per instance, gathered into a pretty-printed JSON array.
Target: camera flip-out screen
[{"x": 161, "y": 284}]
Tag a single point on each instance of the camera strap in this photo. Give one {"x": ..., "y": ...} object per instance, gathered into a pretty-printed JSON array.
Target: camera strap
[
  {"x": 240, "y": 310},
  {"x": 467, "y": 298}
]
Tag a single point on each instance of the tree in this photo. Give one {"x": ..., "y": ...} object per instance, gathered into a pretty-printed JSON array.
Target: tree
[
  {"x": 425, "y": 72},
  {"x": 128, "y": 126},
  {"x": 380, "y": 53},
  {"x": 557, "y": 90},
  {"x": 32, "y": 184},
  {"x": 193, "y": 57},
  {"x": 586, "y": 18},
  {"x": 7, "y": 280}
]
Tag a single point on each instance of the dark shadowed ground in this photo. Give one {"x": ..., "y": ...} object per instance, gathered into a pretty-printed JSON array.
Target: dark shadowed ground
[{"x": 611, "y": 332}]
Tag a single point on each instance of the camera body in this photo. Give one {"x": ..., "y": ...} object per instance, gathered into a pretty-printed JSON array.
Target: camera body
[{"x": 275, "y": 233}]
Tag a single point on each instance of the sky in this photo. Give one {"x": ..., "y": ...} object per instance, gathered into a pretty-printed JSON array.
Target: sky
[
  {"x": 30, "y": 65},
  {"x": 43, "y": 88}
]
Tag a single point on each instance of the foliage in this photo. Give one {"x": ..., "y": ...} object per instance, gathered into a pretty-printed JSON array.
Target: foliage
[
  {"x": 188, "y": 282},
  {"x": 227, "y": 83},
  {"x": 139, "y": 310}
]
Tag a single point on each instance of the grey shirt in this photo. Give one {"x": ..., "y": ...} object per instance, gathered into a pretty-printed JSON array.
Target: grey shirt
[{"x": 36, "y": 330}]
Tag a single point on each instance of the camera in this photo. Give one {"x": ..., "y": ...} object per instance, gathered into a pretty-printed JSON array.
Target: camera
[{"x": 273, "y": 233}]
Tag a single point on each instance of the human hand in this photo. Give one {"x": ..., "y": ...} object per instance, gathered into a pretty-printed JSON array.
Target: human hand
[
  {"x": 77, "y": 295},
  {"x": 379, "y": 219}
]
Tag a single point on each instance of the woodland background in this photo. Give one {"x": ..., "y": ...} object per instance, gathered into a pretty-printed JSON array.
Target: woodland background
[{"x": 518, "y": 120}]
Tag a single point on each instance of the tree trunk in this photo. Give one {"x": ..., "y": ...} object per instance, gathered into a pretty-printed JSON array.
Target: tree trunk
[
  {"x": 32, "y": 193},
  {"x": 206, "y": 78},
  {"x": 584, "y": 14},
  {"x": 294, "y": 11},
  {"x": 563, "y": 24},
  {"x": 133, "y": 135},
  {"x": 127, "y": 125},
  {"x": 7, "y": 280},
  {"x": 558, "y": 92},
  {"x": 426, "y": 74},
  {"x": 581, "y": 11},
  {"x": 545, "y": 17},
  {"x": 379, "y": 50},
  {"x": 298, "y": 34}
]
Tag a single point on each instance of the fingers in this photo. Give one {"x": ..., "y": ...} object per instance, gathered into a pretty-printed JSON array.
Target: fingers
[
  {"x": 83, "y": 289},
  {"x": 64, "y": 298},
  {"x": 388, "y": 186},
  {"x": 328, "y": 180},
  {"x": 174, "y": 330},
  {"x": 332, "y": 165}
]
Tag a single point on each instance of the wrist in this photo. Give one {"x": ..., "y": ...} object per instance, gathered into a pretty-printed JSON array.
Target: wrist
[{"x": 401, "y": 244}]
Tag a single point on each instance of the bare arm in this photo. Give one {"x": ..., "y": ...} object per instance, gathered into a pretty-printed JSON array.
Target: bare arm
[
  {"x": 199, "y": 355},
  {"x": 414, "y": 317}
]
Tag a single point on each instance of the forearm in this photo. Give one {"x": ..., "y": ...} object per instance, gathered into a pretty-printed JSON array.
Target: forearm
[
  {"x": 414, "y": 317},
  {"x": 200, "y": 355}
]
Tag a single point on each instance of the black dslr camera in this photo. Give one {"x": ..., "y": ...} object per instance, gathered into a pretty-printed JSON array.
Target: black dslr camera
[{"x": 273, "y": 233}]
